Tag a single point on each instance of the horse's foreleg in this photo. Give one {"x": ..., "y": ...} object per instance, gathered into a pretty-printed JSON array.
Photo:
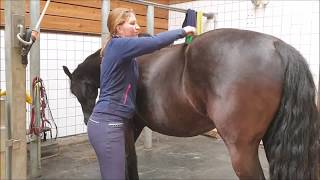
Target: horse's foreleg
[
  {"x": 245, "y": 160},
  {"x": 131, "y": 157},
  {"x": 138, "y": 126},
  {"x": 133, "y": 131}
]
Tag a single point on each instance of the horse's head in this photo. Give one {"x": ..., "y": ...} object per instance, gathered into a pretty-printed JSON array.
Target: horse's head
[
  {"x": 84, "y": 83},
  {"x": 84, "y": 89}
]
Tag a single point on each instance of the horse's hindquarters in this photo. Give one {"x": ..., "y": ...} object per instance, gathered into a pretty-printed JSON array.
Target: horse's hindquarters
[{"x": 239, "y": 76}]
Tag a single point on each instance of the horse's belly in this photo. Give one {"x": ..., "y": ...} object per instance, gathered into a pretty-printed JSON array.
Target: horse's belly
[{"x": 181, "y": 126}]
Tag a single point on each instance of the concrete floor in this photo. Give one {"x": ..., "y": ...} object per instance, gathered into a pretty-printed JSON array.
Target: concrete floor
[{"x": 197, "y": 157}]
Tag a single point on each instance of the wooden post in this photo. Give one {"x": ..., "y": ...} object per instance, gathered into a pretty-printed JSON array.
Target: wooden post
[{"x": 15, "y": 103}]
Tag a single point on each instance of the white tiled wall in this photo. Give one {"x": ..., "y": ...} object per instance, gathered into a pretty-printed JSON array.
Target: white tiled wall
[
  {"x": 295, "y": 22},
  {"x": 56, "y": 50}
]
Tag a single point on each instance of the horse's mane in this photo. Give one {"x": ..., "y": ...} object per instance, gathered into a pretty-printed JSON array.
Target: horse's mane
[
  {"x": 89, "y": 65},
  {"x": 94, "y": 56}
]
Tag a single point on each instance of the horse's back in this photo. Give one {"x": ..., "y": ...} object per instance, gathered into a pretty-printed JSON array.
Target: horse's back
[
  {"x": 230, "y": 57},
  {"x": 232, "y": 52}
]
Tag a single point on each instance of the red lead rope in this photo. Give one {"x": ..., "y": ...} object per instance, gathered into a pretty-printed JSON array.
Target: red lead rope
[{"x": 42, "y": 98}]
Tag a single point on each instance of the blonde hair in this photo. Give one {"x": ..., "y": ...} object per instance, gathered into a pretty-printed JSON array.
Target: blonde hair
[{"x": 116, "y": 17}]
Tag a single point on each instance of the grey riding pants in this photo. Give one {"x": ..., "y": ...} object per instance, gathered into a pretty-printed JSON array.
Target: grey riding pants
[{"x": 106, "y": 136}]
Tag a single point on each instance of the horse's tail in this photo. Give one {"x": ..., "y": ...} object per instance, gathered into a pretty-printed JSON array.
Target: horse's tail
[{"x": 292, "y": 140}]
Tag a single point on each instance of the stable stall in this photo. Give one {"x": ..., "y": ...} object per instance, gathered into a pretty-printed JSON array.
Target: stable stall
[{"x": 71, "y": 30}]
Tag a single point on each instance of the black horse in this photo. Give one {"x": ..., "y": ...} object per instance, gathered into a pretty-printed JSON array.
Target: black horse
[{"x": 250, "y": 86}]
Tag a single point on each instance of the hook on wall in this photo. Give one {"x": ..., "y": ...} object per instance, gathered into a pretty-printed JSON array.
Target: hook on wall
[{"x": 260, "y": 3}]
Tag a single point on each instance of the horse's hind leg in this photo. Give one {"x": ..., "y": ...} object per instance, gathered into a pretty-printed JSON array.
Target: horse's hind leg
[
  {"x": 243, "y": 148},
  {"x": 245, "y": 160},
  {"x": 242, "y": 124}
]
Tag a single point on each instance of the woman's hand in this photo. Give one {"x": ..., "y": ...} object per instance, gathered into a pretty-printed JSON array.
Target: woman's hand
[{"x": 189, "y": 30}]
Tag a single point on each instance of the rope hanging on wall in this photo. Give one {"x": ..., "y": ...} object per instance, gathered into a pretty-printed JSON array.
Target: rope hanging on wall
[{"x": 40, "y": 103}]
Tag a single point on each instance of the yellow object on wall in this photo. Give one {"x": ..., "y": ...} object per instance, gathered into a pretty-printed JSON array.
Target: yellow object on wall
[
  {"x": 199, "y": 22},
  {"x": 28, "y": 97}
]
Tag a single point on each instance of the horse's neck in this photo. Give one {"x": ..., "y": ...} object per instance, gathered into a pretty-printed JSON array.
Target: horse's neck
[
  {"x": 97, "y": 74},
  {"x": 91, "y": 68}
]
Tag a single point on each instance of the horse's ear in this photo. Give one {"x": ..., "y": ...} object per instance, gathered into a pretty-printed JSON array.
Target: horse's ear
[{"x": 66, "y": 70}]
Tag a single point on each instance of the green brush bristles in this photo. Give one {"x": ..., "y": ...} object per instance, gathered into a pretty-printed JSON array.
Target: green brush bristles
[{"x": 188, "y": 39}]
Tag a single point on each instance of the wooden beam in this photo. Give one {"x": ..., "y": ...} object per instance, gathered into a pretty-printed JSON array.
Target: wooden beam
[
  {"x": 87, "y": 8},
  {"x": 77, "y": 16},
  {"x": 67, "y": 24},
  {"x": 178, "y": 1},
  {"x": 97, "y": 3},
  {"x": 140, "y": 9}
]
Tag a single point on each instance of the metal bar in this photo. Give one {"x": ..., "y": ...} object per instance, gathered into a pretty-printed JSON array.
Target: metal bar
[
  {"x": 150, "y": 19},
  {"x": 318, "y": 102},
  {"x": 35, "y": 145},
  {"x": 150, "y": 27},
  {"x": 208, "y": 15},
  {"x": 16, "y": 91},
  {"x": 4, "y": 139},
  {"x": 104, "y": 21}
]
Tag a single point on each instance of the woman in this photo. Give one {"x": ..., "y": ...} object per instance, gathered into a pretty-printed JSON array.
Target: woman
[{"x": 118, "y": 85}]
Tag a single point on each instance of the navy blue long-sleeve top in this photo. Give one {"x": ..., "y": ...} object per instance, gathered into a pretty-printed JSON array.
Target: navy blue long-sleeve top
[{"x": 119, "y": 71}]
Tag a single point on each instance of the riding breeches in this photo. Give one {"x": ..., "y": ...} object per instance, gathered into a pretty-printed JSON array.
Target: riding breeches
[{"x": 106, "y": 135}]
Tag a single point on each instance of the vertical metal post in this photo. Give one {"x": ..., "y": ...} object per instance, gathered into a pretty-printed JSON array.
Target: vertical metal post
[
  {"x": 16, "y": 92},
  {"x": 150, "y": 29},
  {"x": 318, "y": 101},
  {"x": 35, "y": 145},
  {"x": 104, "y": 21},
  {"x": 3, "y": 136},
  {"x": 150, "y": 20},
  {"x": 215, "y": 22}
]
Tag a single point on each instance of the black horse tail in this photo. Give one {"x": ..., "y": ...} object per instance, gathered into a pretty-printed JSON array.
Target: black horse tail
[{"x": 292, "y": 140}]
